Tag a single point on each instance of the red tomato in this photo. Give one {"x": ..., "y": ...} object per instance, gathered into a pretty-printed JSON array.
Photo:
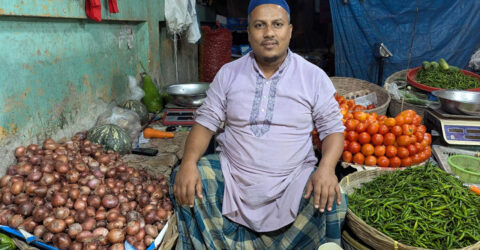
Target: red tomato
[
  {"x": 399, "y": 120},
  {"x": 412, "y": 150},
  {"x": 389, "y": 139},
  {"x": 352, "y": 136},
  {"x": 373, "y": 128},
  {"x": 361, "y": 127},
  {"x": 347, "y": 156},
  {"x": 377, "y": 139},
  {"x": 351, "y": 124},
  {"x": 390, "y": 122},
  {"x": 407, "y": 129},
  {"x": 379, "y": 150},
  {"x": 354, "y": 147},
  {"x": 382, "y": 129},
  {"x": 402, "y": 152},
  {"x": 407, "y": 162},
  {"x": 416, "y": 159},
  {"x": 419, "y": 136},
  {"x": 359, "y": 158},
  {"x": 417, "y": 120},
  {"x": 395, "y": 162},
  {"x": 383, "y": 161},
  {"x": 368, "y": 149},
  {"x": 403, "y": 140},
  {"x": 345, "y": 144},
  {"x": 364, "y": 138},
  {"x": 396, "y": 130},
  {"x": 391, "y": 151},
  {"x": 370, "y": 160},
  {"x": 422, "y": 128}
]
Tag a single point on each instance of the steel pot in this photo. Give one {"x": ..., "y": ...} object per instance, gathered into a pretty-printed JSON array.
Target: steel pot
[
  {"x": 459, "y": 101},
  {"x": 187, "y": 94}
]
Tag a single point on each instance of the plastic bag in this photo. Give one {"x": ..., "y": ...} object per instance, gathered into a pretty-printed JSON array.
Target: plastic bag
[
  {"x": 215, "y": 51},
  {"x": 474, "y": 63},
  {"x": 136, "y": 93},
  {"x": 124, "y": 118}
]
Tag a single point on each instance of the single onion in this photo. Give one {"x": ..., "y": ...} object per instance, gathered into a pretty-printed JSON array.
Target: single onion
[
  {"x": 116, "y": 236},
  {"x": 62, "y": 241},
  {"x": 109, "y": 201},
  {"x": 57, "y": 226}
]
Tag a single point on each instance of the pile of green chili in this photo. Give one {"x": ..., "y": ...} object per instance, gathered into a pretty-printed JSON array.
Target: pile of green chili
[
  {"x": 421, "y": 207},
  {"x": 446, "y": 79}
]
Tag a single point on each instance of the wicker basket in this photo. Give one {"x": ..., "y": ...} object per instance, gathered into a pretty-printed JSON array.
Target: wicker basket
[
  {"x": 352, "y": 88},
  {"x": 350, "y": 243},
  {"x": 366, "y": 233},
  {"x": 396, "y": 106}
]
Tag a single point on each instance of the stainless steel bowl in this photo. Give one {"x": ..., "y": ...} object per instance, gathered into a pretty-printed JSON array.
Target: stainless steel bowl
[
  {"x": 187, "y": 94},
  {"x": 459, "y": 101}
]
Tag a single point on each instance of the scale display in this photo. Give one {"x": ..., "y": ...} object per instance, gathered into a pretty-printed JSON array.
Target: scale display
[{"x": 455, "y": 130}]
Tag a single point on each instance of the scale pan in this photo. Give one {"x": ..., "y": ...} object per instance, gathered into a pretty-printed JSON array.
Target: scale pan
[{"x": 459, "y": 101}]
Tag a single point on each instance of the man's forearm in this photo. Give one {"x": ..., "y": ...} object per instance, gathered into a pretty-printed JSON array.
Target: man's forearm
[
  {"x": 332, "y": 148},
  {"x": 197, "y": 143}
]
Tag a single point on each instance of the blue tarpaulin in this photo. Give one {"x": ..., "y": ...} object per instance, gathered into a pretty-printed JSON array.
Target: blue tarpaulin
[{"x": 444, "y": 29}]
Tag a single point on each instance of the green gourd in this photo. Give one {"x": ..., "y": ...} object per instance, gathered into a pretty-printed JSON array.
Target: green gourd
[
  {"x": 6, "y": 242},
  {"x": 152, "y": 99}
]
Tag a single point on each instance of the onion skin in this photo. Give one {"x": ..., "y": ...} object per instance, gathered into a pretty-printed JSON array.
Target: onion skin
[
  {"x": 109, "y": 201},
  {"x": 62, "y": 241},
  {"x": 76, "y": 246},
  {"x": 17, "y": 187},
  {"x": 118, "y": 246},
  {"x": 39, "y": 231},
  {"x": 89, "y": 224},
  {"x": 57, "y": 226},
  {"x": 132, "y": 228},
  {"x": 116, "y": 236}
]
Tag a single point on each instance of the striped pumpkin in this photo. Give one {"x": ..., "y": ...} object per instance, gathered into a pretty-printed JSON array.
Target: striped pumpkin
[
  {"x": 111, "y": 137},
  {"x": 138, "y": 107}
]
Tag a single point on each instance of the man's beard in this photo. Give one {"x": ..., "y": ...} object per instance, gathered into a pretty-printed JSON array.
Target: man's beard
[{"x": 271, "y": 59}]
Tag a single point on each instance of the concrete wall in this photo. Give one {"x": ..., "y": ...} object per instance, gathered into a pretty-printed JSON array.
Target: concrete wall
[{"x": 59, "y": 69}]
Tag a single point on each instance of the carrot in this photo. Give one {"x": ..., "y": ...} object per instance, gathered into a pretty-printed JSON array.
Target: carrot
[
  {"x": 475, "y": 189},
  {"x": 154, "y": 133}
]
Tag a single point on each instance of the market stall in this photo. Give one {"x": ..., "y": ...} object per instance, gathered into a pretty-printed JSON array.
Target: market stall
[
  {"x": 97, "y": 108},
  {"x": 418, "y": 172}
]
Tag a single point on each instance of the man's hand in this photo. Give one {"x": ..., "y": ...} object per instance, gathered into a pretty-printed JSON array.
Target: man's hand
[
  {"x": 187, "y": 181},
  {"x": 324, "y": 184}
]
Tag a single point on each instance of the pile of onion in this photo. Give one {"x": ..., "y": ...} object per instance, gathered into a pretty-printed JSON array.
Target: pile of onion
[{"x": 75, "y": 195}]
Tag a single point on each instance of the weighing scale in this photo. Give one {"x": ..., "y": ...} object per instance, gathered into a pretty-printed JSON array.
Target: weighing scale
[
  {"x": 462, "y": 130},
  {"x": 178, "y": 116}
]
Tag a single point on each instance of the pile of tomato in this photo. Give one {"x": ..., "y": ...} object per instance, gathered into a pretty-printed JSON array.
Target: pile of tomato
[
  {"x": 400, "y": 141},
  {"x": 349, "y": 105}
]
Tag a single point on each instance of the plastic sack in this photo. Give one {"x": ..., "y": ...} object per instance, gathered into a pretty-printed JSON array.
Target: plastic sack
[
  {"x": 181, "y": 16},
  {"x": 124, "y": 118},
  {"x": 215, "y": 51},
  {"x": 474, "y": 63},
  {"x": 136, "y": 93}
]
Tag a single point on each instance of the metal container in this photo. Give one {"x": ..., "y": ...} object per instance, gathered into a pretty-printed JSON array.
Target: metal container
[
  {"x": 459, "y": 101},
  {"x": 187, "y": 94}
]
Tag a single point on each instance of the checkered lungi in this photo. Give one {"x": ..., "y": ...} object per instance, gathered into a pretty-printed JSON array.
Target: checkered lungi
[{"x": 204, "y": 226}]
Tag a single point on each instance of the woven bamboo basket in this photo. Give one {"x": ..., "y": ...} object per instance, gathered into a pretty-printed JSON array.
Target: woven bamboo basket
[
  {"x": 350, "y": 243},
  {"x": 396, "y": 106},
  {"x": 363, "y": 231},
  {"x": 352, "y": 88}
]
